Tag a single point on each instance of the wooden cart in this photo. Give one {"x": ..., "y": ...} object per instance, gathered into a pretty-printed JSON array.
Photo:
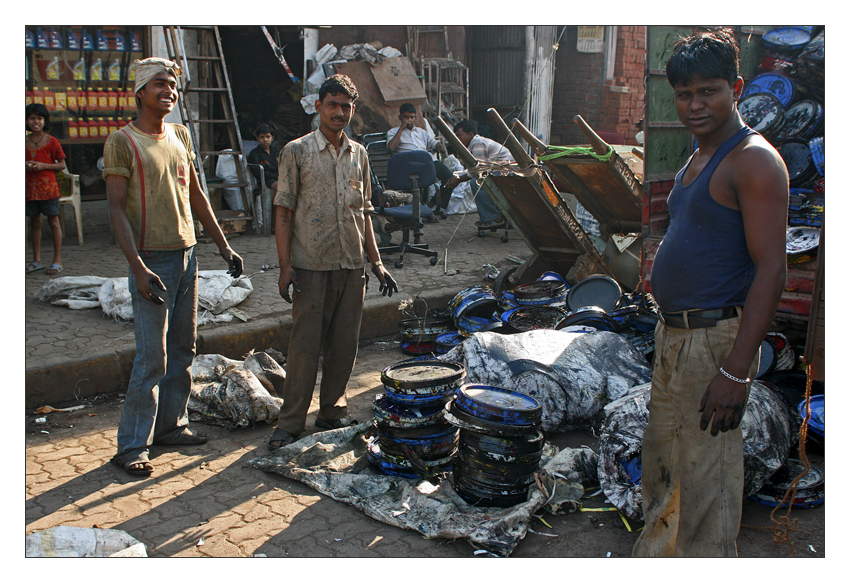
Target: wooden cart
[{"x": 529, "y": 200}]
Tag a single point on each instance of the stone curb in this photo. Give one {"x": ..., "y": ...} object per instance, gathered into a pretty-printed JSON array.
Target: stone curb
[{"x": 61, "y": 380}]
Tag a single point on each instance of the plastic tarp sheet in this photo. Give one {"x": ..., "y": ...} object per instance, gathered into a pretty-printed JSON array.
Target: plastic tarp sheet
[
  {"x": 75, "y": 292},
  {"x": 233, "y": 393},
  {"x": 573, "y": 374},
  {"x": 463, "y": 197},
  {"x": 767, "y": 439},
  {"x": 217, "y": 293},
  {"x": 72, "y": 541},
  {"x": 335, "y": 463}
]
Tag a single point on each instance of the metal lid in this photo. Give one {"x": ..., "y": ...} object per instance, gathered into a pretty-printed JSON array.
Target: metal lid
[
  {"x": 801, "y": 239},
  {"x": 763, "y": 112},
  {"x": 498, "y": 405},
  {"x": 590, "y": 316},
  {"x": 597, "y": 290},
  {"x": 777, "y": 85},
  {"x": 790, "y": 38},
  {"x": 413, "y": 374}
]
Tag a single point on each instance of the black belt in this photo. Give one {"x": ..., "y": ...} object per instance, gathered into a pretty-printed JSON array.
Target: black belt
[{"x": 698, "y": 318}]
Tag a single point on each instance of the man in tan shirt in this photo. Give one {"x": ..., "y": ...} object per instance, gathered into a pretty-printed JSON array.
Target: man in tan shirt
[
  {"x": 322, "y": 231},
  {"x": 154, "y": 194}
]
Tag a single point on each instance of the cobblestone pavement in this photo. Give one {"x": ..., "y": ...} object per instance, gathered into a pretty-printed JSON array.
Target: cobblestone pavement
[{"x": 209, "y": 494}]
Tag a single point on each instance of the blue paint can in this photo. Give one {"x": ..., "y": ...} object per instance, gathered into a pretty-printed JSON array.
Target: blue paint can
[{"x": 498, "y": 405}]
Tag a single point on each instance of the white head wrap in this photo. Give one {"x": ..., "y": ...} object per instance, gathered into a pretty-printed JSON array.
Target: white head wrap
[{"x": 147, "y": 69}]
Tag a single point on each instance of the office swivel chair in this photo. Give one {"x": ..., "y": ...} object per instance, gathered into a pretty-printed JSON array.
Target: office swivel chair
[{"x": 410, "y": 172}]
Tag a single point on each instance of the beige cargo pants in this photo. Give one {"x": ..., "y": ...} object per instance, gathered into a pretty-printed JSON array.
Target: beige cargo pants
[{"x": 692, "y": 483}]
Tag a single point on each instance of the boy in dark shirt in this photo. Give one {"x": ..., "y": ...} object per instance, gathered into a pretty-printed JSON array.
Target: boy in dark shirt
[{"x": 264, "y": 155}]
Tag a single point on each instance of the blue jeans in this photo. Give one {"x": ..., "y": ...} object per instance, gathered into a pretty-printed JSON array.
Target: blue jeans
[
  {"x": 487, "y": 210},
  {"x": 158, "y": 394}
]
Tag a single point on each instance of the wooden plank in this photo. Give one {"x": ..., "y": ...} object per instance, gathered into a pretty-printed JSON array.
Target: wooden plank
[
  {"x": 398, "y": 83},
  {"x": 371, "y": 114}
]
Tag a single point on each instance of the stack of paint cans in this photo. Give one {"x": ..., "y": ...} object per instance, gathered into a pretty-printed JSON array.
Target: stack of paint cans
[
  {"x": 419, "y": 335},
  {"x": 474, "y": 309},
  {"x": 500, "y": 444},
  {"x": 785, "y": 102},
  {"x": 412, "y": 437}
]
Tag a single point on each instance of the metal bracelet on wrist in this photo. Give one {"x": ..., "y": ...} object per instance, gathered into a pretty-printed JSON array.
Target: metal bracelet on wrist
[{"x": 734, "y": 378}]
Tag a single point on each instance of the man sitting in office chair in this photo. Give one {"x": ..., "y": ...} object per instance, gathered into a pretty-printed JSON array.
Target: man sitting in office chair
[{"x": 408, "y": 137}]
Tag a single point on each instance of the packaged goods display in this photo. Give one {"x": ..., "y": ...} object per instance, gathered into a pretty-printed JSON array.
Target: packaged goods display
[{"x": 84, "y": 76}]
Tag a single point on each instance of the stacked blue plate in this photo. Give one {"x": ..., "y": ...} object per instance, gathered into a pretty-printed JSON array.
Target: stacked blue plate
[{"x": 412, "y": 437}]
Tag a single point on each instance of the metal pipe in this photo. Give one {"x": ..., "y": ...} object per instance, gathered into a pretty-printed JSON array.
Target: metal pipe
[
  {"x": 510, "y": 141},
  {"x": 598, "y": 144},
  {"x": 530, "y": 138}
]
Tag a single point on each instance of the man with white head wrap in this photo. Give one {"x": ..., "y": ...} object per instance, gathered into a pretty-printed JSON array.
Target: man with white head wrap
[{"x": 154, "y": 195}]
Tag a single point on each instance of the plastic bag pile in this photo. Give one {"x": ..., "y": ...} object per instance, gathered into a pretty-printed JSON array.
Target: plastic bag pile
[{"x": 217, "y": 293}]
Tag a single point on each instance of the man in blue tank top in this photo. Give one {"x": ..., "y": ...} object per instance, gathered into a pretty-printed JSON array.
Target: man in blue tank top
[{"x": 717, "y": 277}]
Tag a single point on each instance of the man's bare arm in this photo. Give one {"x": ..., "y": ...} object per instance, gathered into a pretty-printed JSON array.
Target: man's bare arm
[
  {"x": 762, "y": 187},
  {"x": 202, "y": 211},
  {"x": 147, "y": 281}
]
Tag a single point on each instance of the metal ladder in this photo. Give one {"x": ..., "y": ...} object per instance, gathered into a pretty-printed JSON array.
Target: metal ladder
[{"x": 216, "y": 84}]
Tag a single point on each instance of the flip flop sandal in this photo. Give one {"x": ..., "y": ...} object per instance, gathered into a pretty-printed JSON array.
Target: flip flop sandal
[
  {"x": 54, "y": 269},
  {"x": 135, "y": 468},
  {"x": 280, "y": 438},
  {"x": 33, "y": 267}
]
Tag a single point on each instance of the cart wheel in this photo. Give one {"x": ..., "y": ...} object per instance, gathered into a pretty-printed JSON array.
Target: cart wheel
[
  {"x": 433, "y": 261},
  {"x": 505, "y": 238},
  {"x": 399, "y": 264},
  {"x": 480, "y": 233}
]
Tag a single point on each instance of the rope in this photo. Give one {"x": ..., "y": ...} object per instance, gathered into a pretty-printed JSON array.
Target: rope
[
  {"x": 576, "y": 150},
  {"x": 784, "y": 526}
]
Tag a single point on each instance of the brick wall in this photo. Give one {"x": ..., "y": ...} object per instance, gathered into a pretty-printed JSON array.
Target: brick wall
[{"x": 580, "y": 89}]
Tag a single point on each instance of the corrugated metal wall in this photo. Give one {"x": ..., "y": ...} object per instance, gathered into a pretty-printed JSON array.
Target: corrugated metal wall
[{"x": 496, "y": 70}]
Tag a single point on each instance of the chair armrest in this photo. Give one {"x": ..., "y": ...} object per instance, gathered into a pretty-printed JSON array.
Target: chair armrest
[{"x": 262, "y": 174}]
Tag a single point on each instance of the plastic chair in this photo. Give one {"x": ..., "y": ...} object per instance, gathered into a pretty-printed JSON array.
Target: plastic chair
[
  {"x": 69, "y": 193},
  {"x": 263, "y": 211},
  {"x": 410, "y": 172}
]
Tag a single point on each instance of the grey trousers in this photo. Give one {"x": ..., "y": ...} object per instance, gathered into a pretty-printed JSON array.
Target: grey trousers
[{"x": 326, "y": 317}]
